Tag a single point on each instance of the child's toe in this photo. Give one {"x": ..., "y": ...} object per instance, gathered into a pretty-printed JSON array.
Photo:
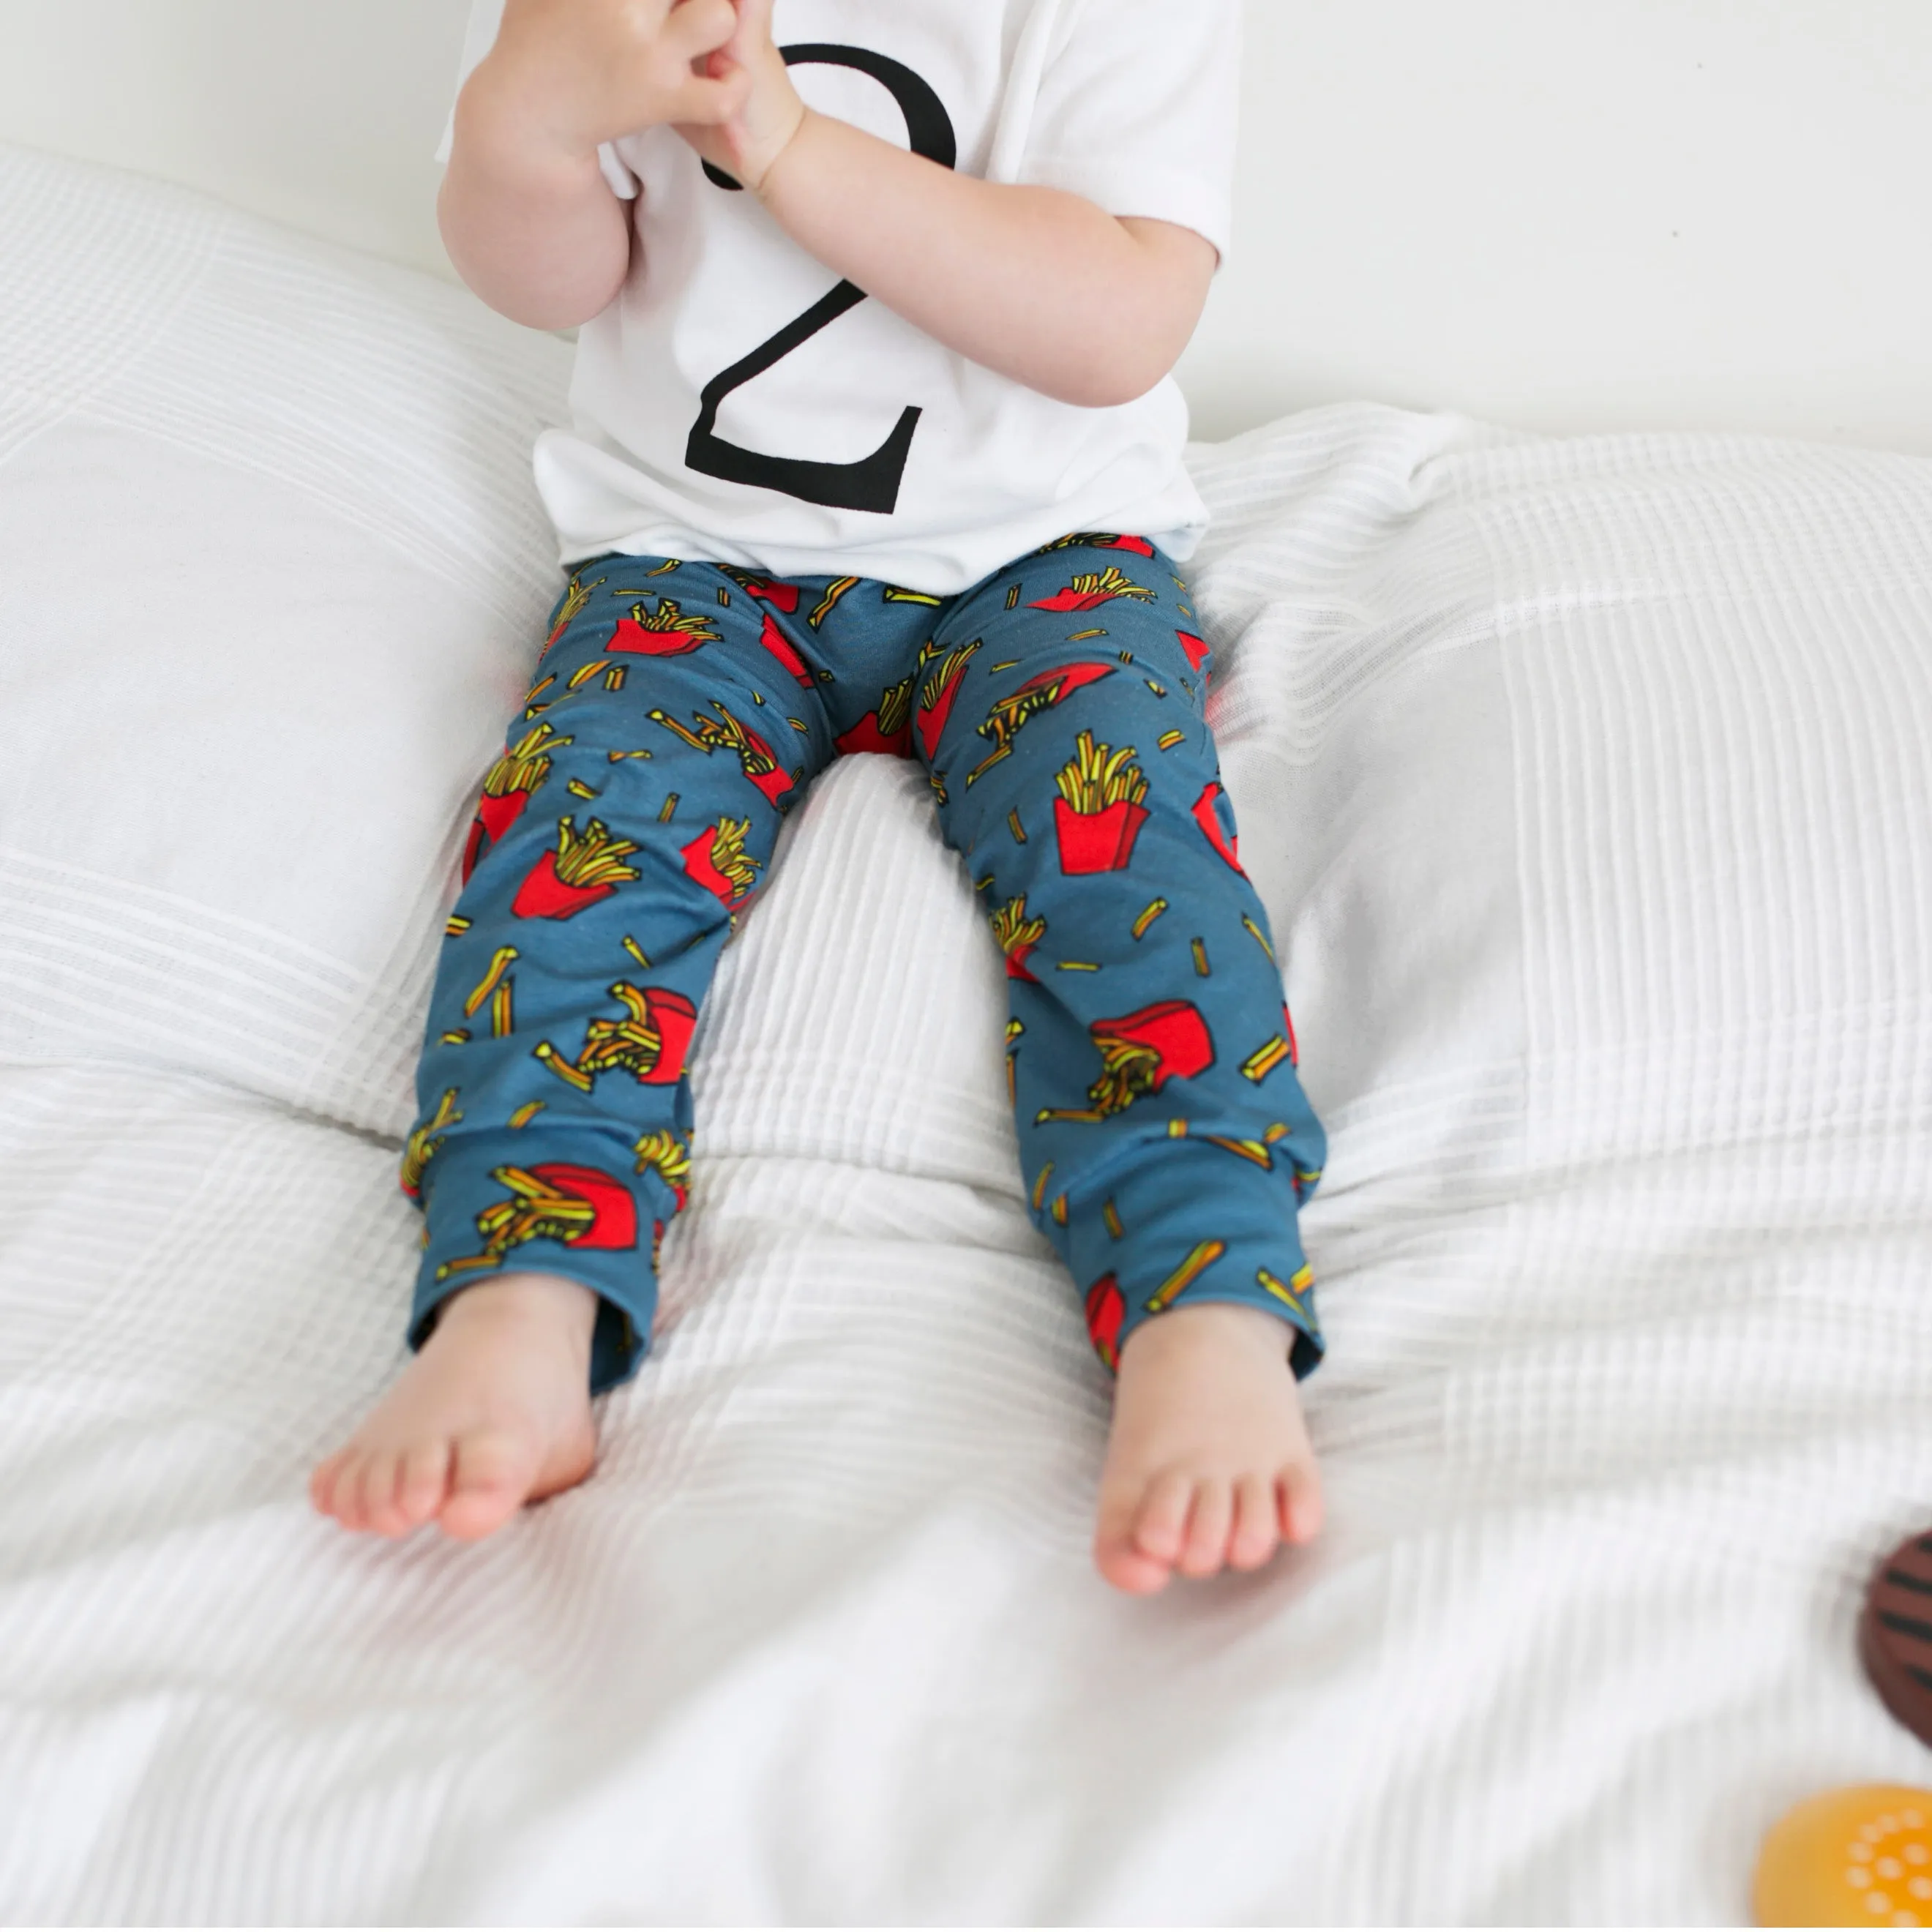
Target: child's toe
[
  {"x": 343, "y": 1482},
  {"x": 1126, "y": 1569},
  {"x": 423, "y": 1480},
  {"x": 379, "y": 1496},
  {"x": 490, "y": 1475},
  {"x": 362, "y": 1491},
  {"x": 1138, "y": 1576},
  {"x": 1160, "y": 1525},
  {"x": 1206, "y": 1549},
  {"x": 322, "y": 1483},
  {"x": 1257, "y": 1532},
  {"x": 1115, "y": 1555},
  {"x": 1301, "y": 1492}
]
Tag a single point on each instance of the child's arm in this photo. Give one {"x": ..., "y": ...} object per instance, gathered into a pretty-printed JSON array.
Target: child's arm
[
  {"x": 1038, "y": 284},
  {"x": 526, "y": 214}
]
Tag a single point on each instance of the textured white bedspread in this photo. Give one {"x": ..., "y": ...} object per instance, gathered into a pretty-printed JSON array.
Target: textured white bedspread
[{"x": 1589, "y": 783}]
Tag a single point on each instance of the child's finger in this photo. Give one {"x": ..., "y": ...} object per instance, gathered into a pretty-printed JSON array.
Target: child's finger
[
  {"x": 700, "y": 27},
  {"x": 755, "y": 19},
  {"x": 702, "y": 103}
]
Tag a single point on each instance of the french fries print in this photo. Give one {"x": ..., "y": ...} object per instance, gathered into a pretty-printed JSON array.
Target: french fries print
[
  {"x": 937, "y": 689},
  {"x": 1200, "y": 1258},
  {"x": 1208, "y": 816},
  {"x": 1097, "y": 540},
  {"x": 1019, "y": 708},
  {"x": 507, "y": 790},
  {"x": 1100, "y": 811},
  {"x": 553, "y": 1201},
  {"x": 888, "y": 727},
  {"x": 495, "y": 990},
  {"x": 729, "y": 732},
  {"x": 1106, "y": 1310},
  {"x": 1140, "y": 1053},
  {"x": 1292, "y": 1294},
  {"x": 574, "y": 599},
  {"x": 1091, "y": 588},
  {"x": 1018, "y": 936},
  {"x": 836, "y": 592},
  {"x": 425, "y": 1142},
  {"x": 582, "y": 869},
  {"x": 766, "y": 590},
  {"x": 1265, "y": 1058},
  {"x": 649, "y": 1042},
  {"x": 781, "y": 647},
  {"x": 718, "y": 860},
  {"x": 665, "y": 632},
  {"x": 667, "y": 1155}
]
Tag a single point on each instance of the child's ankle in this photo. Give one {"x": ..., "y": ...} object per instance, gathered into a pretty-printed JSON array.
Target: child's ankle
[
  {"x": 1217, "y": 1324},
  {"x": 553, "y": 1301}
]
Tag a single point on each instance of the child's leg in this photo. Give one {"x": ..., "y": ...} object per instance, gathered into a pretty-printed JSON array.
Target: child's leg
[
  {"x": 629, "y": 820},
  {"x": 1166, "y": 1139}
]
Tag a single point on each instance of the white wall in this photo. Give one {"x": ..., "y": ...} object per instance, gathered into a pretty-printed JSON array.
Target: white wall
[
  {"x": 1566, "y": 214},
  {"x": 322, "y": 112},
  {"x": 1583, "y": 214}
]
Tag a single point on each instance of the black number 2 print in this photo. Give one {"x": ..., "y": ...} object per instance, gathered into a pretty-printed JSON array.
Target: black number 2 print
[{"x": 873, "y": 483}]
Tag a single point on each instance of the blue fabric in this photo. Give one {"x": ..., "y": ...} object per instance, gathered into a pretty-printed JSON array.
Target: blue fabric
[{"x": 680, "y": 710}]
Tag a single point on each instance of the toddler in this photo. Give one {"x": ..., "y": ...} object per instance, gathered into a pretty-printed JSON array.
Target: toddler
[{"x": 934, "y": 512}]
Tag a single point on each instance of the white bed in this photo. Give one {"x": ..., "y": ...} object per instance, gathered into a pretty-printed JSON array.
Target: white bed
[{"x": 1589, "y": 783}]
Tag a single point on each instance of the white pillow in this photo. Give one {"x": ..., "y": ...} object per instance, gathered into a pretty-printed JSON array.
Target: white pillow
[
  {"x": 272, "y": 572},
  {"x": 1590, "y": 781}
]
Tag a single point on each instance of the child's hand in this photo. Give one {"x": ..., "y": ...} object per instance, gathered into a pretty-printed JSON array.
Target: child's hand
[
  {"x": 745, "y": 143},
  {"x": 575, "y": 73}
]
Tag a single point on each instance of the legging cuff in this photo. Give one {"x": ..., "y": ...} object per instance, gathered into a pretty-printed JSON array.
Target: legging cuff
[{"x": 575, "y": 1214}]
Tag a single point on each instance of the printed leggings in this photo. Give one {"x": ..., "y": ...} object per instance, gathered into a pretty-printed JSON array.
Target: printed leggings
[{"x": 678, "y": 710}]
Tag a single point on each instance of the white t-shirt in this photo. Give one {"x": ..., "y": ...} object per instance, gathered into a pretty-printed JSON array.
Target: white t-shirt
[{"x": 712, "y": 419}]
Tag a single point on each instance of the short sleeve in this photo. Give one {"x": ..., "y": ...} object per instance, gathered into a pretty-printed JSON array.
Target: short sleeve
[
  {"x": 486, "y": 17},
  {"x": 1137, "y": 111}
]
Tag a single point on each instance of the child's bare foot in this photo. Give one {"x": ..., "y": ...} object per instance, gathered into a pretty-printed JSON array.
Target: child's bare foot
[
  {"x": 1209, "y": 1463},
  {"x": 493, "y": 1413}
]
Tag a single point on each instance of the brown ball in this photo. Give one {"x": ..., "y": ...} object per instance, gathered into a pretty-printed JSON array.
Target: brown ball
[{"x": 1895, "y": 1634}]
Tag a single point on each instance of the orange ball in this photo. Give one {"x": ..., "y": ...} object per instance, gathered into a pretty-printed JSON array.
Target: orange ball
[{"x": 1857, "y": 1857}]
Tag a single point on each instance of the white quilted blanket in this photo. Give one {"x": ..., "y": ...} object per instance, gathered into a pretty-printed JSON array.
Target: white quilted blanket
[{"x": 1588, "y": 783}]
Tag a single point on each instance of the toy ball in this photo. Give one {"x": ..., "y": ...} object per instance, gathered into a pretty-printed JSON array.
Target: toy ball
[
  {"x": 1895, "y": 1635},
  {"x": 1857, "y": 1857}
]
